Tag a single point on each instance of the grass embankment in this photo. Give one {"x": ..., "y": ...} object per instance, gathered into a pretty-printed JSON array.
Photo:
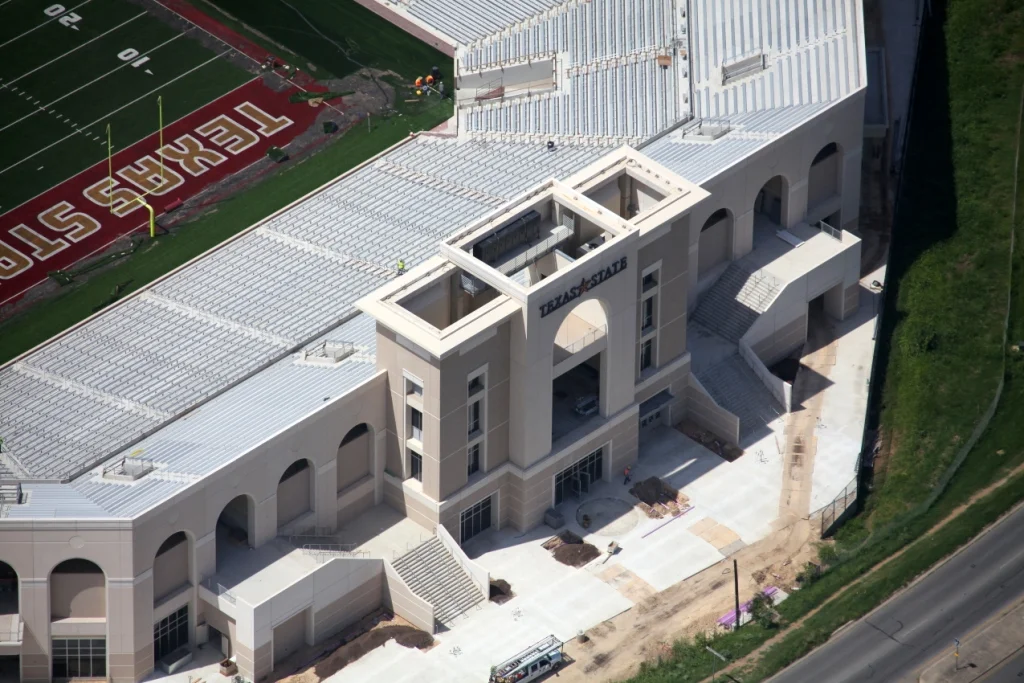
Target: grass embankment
[
  {"x": 233, "y": 215},
  {"x": 943, "y": 354}
]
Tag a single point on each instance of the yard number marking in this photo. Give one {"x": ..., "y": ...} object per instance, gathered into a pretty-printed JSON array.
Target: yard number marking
[
  {"x": 69, "y": 19},
  {"x": 130, "y": 54}
]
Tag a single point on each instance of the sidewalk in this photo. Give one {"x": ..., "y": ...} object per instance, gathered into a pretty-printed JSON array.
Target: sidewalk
[{"x": 981, "y": 652}]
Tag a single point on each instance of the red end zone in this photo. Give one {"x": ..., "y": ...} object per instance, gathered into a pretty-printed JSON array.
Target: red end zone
[{"x": 74, "y": 219}]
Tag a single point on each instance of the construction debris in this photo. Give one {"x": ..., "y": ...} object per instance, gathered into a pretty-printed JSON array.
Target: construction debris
[
  {"x": 710, "y": 441},
  {"x": 658, "y": 499}
]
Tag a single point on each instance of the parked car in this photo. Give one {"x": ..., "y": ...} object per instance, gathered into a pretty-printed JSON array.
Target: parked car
[{"x": 587, "y": 405}]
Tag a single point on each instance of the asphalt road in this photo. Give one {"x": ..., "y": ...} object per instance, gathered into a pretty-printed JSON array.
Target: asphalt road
[
  {"x": 897, "y": 641},
  {"x": 1011, "y": 671}
]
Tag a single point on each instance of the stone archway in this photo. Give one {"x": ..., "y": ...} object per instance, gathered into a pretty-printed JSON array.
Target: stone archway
[
  {"x": 825, "y": 177},
  {"x": 295, "y": 492},
  {"x": 715, "y": 241},
  {"x": 355, "y": 455},
  {"x": 78, "y": 590},
  {"x": 578, "y": 366},
  {"x": 772, "y": 201}
]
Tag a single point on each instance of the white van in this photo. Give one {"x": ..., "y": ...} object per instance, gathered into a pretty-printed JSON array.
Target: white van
[{"x": 530, "y": 664}]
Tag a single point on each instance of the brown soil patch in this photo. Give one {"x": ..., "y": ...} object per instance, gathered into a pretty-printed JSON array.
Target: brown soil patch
[
  {"x": 710, "y": 441},
  {"x": 501, "y": 591},
  {"x": 569, "y": 549},
  {"x": 658, "y": 499},
  {"x": 312, "y": 665}
]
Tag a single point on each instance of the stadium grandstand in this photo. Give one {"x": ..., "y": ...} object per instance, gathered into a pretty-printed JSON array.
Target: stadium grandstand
[{"x": 620, "y": 178}]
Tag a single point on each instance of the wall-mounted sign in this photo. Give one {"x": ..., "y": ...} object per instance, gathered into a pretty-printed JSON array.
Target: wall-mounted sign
[{"x": 585, "y": 285}]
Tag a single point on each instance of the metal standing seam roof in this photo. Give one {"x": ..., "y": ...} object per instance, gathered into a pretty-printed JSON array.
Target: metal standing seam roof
[
  {"x": 812, "y": 48},
  {"x": 216, "y": 334},
  {"x": 134, "y": 369}
]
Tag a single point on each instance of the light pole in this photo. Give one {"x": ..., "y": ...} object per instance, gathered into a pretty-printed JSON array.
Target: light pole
[{"x": 956, "y": 655}]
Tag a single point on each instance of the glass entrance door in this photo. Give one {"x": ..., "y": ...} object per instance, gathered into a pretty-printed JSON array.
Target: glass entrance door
[
  {"x": 575, "y": 479},
  {"x": 476, "y": 519},
  {"x": 170, "y": 633}
]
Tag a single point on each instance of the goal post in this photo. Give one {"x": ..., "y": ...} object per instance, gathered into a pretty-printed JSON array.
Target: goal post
[{"x": 140, "y": 197}]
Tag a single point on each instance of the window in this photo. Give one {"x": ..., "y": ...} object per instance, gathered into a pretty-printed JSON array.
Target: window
[
  {"x": 474, "y": 459},
  {"x": 416, "y": 465},
  {"x": 476, "y": 384},
  {"x": 646, "y": 356},
  {"x": 79, "y": 658},
  {"x": 474, "y": 417},
  {"x": 416, "y": 421},
  {"x": 650, "y": 280},
  {"x": 413, "y": 388},
  {"x": 170, "y": 633},
  {"x": 476, "y": 519},
  {"x": 647, "y": 314}
]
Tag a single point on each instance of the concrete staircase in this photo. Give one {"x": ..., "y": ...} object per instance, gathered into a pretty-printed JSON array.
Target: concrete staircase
[
  {"x": 738, "y": 389},
  {"x": 735, "y": 301},
  {"x": 433, "y": 574}
]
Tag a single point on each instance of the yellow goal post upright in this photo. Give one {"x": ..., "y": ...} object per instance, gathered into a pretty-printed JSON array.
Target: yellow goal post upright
[{"x": 110, "y": 167}]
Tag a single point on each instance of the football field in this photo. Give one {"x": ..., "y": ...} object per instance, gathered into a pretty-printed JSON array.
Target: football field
[{"x": 69, "y": 70}]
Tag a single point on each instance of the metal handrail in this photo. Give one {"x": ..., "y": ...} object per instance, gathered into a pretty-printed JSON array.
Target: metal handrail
[
  {"x": 219, "y": 590},
  {"x": 582, "y": 342},
  {"x": 835, "y": 233}
]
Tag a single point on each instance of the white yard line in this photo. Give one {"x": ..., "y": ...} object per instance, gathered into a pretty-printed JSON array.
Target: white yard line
[
  {"x": 109, "y": 114},
  {"x": 57, "y": 59},
  {"x": 44, "y": 24},
  {"x": 98, "y": 138},
  {"x": 86, "y": 85}
]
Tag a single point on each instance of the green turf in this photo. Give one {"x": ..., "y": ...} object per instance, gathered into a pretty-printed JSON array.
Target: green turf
[
  {"x": 52, "y": 39},
  {"x": 232, "y": 216},
  {"x": 368, "y": 39},
  {"x": 89, "y": 87}
]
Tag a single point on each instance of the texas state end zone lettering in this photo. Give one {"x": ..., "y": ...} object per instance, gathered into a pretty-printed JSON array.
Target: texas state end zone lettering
[
  {"x": 84, "y": 214},
  {"x": 583, "y": 287}
]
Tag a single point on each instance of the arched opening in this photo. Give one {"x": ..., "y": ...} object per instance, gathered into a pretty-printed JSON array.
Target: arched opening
[
  {"x": 10, "y": 666},
  {"x": 355, "y": 456},
  {"x": 294, "y": 492},
  {"x": 824, "y": 179},
  {"x": 235, "y": 528},
  {"x": 171, "y": 573},
  {"x": 171, "y": 566},
  {"x": 78, "y": 590},
  {"x": 578, "y": 363},
  {"x": 8, "y": 589},
  {"x": 715, "y": 235},
  {"x": 772, "y": 202}
]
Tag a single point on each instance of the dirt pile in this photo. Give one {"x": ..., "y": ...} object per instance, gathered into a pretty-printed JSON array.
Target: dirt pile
[
  {"x": 658, "y": 499},
  {"x": 315, "y": 665},
  {"x": 501, "y": 591},
  {"x": 569, "y": 549}
]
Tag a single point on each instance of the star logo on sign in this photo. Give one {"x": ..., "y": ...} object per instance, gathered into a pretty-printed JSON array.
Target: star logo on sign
[{"x": 584, "y": 285}]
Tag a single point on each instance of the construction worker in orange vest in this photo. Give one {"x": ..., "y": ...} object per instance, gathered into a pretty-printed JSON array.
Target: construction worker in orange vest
[{"x": 419, "y": 81}]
